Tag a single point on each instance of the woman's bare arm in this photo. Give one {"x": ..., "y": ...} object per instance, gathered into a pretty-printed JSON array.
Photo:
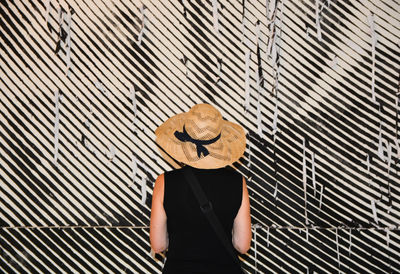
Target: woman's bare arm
[
  {"x": 158, "y": 218},
  {"x": 241, "y": 233}
]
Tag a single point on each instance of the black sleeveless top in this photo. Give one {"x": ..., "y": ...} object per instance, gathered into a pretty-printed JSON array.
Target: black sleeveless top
[{"x": 193, "y": 245}]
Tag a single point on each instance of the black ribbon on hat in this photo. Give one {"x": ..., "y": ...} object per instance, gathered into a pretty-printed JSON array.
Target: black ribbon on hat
[{"x": 200, "y": 144}]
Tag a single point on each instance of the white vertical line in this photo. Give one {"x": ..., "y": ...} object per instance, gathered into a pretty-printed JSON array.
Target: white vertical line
[{"x": 57, "y": 97}]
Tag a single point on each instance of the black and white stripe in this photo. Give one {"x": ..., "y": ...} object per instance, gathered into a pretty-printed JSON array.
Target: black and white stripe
[{"x": 78, "y": 158}]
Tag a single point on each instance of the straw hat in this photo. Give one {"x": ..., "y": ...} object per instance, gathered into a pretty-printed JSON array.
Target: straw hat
[{"x": 201, "y": 138}]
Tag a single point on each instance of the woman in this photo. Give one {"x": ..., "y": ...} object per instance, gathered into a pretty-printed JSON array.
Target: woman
[{"x": 206, "y": 144}]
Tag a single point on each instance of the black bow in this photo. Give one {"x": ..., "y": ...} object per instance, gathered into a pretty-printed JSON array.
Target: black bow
[{"x": 185, "y": 137}]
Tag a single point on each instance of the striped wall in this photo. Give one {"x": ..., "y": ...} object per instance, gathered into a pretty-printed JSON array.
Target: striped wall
[{"x": 84, "y": 84}]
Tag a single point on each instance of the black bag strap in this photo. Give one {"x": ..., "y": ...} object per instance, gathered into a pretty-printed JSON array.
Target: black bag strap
[{"x": 207, "y": 209}]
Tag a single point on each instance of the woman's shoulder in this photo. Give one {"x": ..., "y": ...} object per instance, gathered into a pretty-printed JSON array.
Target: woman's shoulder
[
  {"x": 174, "y": 175},
  {"x": 233, "y": 172},
  {"x": 173, "y": 171}
]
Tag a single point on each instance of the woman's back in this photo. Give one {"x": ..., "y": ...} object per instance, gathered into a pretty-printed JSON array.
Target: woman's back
[
  {"x": 206, "y": 143},
  {"x": 193, "y": 244}
]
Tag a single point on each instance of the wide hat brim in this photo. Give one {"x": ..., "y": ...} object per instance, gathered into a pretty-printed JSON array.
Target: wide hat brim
[{"x": 225, "y": 151}]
